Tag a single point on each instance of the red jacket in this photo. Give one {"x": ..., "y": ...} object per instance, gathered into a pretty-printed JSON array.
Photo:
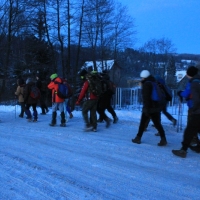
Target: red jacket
[
  {"x": 84, "y": 92},
  {"x": 54, "y": 87}
]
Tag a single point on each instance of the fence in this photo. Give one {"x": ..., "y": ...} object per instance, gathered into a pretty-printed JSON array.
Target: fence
[{"x": 130, "y": 98}]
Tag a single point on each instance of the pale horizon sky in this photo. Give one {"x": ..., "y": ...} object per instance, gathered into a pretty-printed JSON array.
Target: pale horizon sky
[{"x": 176, "y": 20}]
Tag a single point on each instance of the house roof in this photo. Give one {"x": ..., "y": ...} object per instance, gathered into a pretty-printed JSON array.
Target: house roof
[{"x": 107, "y": 65}]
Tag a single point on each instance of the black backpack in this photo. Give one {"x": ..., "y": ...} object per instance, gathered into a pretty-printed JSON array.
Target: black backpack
[{"x": 95, "y": 84}]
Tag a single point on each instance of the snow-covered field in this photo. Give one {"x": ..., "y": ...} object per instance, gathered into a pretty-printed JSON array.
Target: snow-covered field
[{"x": 42, "y": 162}]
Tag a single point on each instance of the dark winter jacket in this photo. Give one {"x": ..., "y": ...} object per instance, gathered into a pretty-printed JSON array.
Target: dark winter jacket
[
  {"x": 149, "y": 106},
  {"x": 195, "y": 94},
  {"x": 27, "y": 90}
]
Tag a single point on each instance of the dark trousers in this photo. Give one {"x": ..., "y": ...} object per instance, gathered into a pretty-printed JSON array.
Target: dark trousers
[
  {"x": 103, "y": 104},
  {"x": 156, "y": 118},
  {"x": 90, "y": 106},
  {"x": 22, "y": 105},
  {"x": 28, "y": 112},
  {"x": 43, "y": 106},
  {"x": 193, "y": 127}
]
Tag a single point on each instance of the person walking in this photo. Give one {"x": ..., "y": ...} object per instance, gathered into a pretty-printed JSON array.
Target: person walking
[
  {"x": 151, "y": 109},
  {"x": 57, "y": 102},
  {"x": 193, "y": 121},
  {"x": 29, "y": 101},
  {"x": 105, "y": 101},
  {"x": 20, "y": 93},
  {"x": 43, "y": 89},
  {"x": 89, "y": 104}
]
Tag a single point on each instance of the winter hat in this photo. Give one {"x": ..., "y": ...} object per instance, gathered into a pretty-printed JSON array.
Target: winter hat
[
  {"x": 144, "y": 74},
  {"x": 53, "y": 76},
  {"x": 192, "y": 71}
]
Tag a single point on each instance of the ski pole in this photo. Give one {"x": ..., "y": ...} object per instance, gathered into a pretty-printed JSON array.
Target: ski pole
[{"x": 179, "y": 115}]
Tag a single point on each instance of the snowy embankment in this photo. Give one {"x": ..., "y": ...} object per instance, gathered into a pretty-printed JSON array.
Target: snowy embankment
[{"x": 42, "y": 162}]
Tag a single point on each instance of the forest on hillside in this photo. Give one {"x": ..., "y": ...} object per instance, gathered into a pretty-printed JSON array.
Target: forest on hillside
[{"x": 44, "y": 37}]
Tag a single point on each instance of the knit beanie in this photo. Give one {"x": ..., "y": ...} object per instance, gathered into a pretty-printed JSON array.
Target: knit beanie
[
  {"x": 192, "y": 71},
  {"x": 144, "y": 74},
  {"x": 53, "y": 76}
]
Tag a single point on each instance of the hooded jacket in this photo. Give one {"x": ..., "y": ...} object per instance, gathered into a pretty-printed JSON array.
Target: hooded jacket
[{"x": 53, "y": 86}]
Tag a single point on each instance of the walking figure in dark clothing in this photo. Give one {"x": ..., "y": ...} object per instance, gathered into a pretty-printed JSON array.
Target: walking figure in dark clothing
[
  {"x": 151, "y": 109},
  {"x": 193, "y": 123}
]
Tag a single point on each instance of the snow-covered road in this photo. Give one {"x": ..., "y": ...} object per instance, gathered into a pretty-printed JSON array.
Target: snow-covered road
[{"x": 42, "y": 162}]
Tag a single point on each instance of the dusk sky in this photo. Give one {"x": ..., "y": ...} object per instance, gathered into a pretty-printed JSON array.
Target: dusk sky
[{"x": 176, "y": 20}]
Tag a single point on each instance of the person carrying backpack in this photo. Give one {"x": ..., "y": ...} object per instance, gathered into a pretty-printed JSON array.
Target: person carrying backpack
[
  {"x": 57, "y": 102},
  {"x": 192, "y": 93},
  {"x": 89, "y": 104},
  {"x": 105, "y": 101},
  {"x": 168, "y": 97},
  {"x": 151, "y": 109},
  {"x": 31, "y": 101}
]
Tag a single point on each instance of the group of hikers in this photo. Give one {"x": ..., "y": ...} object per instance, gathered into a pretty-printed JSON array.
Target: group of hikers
[
  {"x": 152, "y": 110},
  {"x": 32, "y": 92},
  {"x": 96, "y": 96},
  {"x": 90, "y": 102}
]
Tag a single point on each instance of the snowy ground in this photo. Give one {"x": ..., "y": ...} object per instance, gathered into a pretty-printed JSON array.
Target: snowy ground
[{"x": 42, "y": 162}]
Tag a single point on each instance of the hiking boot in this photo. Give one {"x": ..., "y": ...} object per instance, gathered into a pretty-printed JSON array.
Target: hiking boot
[
  {"x": 63, "y": 125},
  {"x": 136, "y": 140},
  {"x": 35, "y": 120},
  {"x": 115, "y": 120},
  {"x": 71, "y": 115},
  {"x": 181, "y": 153},
  {"x": 163, "y": 142},
  {"x": 94, "y": 129},
  {"x": 21, "y": 116},
  {"x": 29, "y": 120},
  {"x": 52, "y": 124},
  {"x": 195, "y": 148},
  {"x": 174, "y": 121},
  {"x": 88, "y": 127},
  {"x": 157, "y": 134},
  {"x": 108, "y": 120}
]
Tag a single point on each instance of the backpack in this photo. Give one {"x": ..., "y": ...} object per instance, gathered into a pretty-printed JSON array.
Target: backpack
[
  {"x": 35, "y": 92},
  {"x": 62, "y": 90},
  {"x": 164, "y": 87},
  {"x": 70, "y": 91},
  {"x": 95, "y": 84},
  {"x": 158, "y": 93}
]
